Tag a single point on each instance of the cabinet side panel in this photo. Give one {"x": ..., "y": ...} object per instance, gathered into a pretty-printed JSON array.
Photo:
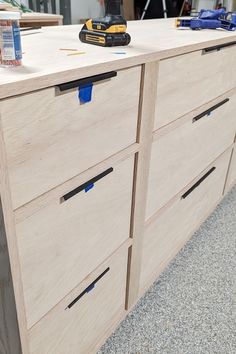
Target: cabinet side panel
[
  {"x": 145, "y": 129},
  {"x": 9, "y": 331}
]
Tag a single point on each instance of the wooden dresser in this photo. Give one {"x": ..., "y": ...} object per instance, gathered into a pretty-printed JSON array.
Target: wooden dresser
[{"x": 98, "y": 197}]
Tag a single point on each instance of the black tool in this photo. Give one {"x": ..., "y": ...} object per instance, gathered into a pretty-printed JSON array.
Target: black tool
[{"x": 108, "y": 31}]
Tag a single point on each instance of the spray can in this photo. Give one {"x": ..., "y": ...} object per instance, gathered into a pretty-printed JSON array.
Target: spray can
[{"x": 10, "y": 40}]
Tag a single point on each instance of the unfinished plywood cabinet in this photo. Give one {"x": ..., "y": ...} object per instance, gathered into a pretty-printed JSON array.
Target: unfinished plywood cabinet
[
  {"x": 174, "y": 165},
  {"x": 232, "y": 170},
  {"x": 97, "y": 197},
  {"x": 169, "y": 229},
  {"x": 188, "y": 81},
  {"x": 78, "y": 322},
  {"x": 57, "y": 123},
  {"x": 81, "y": 229}
]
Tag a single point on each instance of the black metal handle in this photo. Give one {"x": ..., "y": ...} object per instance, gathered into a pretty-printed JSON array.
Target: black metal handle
[
  {"x": 186, "y": 194},
  {"x": 86, "y": 80},
  {"x": 218, "y": 47},
  {"x": 86, "y": 185},
  {"x": 208, "y": 111},
  {"x": 88, "y": 289}
]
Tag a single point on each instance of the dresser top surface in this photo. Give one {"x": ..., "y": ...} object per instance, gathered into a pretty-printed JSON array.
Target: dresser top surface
[{"x": 46, "y": 64}]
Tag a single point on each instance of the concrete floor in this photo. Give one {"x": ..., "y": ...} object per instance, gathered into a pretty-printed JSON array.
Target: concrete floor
[{"x": 191, "y": 309}]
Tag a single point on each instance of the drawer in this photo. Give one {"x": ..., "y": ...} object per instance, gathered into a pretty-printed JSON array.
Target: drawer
[
  {"x": 179, "y": 155},
  {"x": 84, "y": 317},
  {"x": 191, "y": 80},
  {"x": 64, "y": 241},
  {"x": 50, "y": 137},
  {"x": 232, "y": 170},
  {"x": 165, "y": 236}
]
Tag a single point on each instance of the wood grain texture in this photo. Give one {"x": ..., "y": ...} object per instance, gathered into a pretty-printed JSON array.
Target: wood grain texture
[
  {"x": 9, "y": 222},
  {"x": 45, "y": 65},
  {"x": 64, "y": 242},
  {"x": 173, "y": 225},
  {"x": 182, "y": 153},
  {"x": 32, "y": 18},
  {"x": 41, "y": 126},
  {"x": 231, "y": 180},
  {"x": 146, "y": 120},
  {"x": 45, "y": 151},
  {"x": 9, "y": 331},
  {"x": 51, "y": 196},
  {"x": 168, "y": 259},
  {"x": 78, "y": 329},
  {"x": 188, "y": 81}
]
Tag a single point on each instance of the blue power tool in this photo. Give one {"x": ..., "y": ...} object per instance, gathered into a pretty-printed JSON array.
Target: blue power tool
[{"x": 209, "y": 19}]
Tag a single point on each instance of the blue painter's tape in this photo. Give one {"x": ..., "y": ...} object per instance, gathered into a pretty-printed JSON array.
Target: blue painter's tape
[
  {"x": 90, "y": 288},
  {"x": 89, "y": 187},
  {"x": 85, "y": 93},
  {"x": 119, "y": 53}
]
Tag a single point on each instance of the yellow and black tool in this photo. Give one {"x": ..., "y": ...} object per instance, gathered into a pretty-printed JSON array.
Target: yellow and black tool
[{"x": 109, "y": 31}]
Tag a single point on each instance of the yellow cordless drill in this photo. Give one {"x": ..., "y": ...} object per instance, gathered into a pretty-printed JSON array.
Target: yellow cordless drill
[{"x": 108, "y": 31}]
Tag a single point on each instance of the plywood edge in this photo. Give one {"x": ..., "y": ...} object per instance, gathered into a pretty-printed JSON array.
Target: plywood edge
[
  {"x": 9, "y": 330},
  {"x": 142, "y": 162},
  {"x": 35, "y": 16},
  {"x": 24, "y": 85},
  {"x": 228, "y": 184},
  {"x": 11, "y": 243}
]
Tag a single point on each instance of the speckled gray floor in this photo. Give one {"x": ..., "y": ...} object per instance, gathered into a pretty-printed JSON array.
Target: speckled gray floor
[{"x": 191, "y": 309}]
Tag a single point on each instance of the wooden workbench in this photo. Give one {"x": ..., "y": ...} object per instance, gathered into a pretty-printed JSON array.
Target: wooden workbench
[
  {"x": 98, "y": 197},
  {"x": 36, "y": 19}
]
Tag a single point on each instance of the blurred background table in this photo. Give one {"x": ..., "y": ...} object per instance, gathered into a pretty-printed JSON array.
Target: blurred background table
[{"x": 36, "y": 19}]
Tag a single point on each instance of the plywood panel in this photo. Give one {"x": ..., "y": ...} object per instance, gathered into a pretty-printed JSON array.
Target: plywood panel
[
  {"x": 51, "y": 138},
  {"x": 182, "y": 153},
  {"x": 46, "y": 65},
  {"x": 65, "y": 241},
  {"x": 79, "y": 328},
  {"x": 9, "y": 331},
  {"x": 232, "y": 169},
  {"x": 142, "y": 162},
  {"x": 188, "y": 81},
  {"x": 169, "y": 231}
]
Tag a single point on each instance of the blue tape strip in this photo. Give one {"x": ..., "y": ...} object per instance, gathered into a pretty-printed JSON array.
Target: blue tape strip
[
  {"x": 85, "y": 93},
  {"x": 90, "y": 288},
  {"x": 89, "y": 187}
]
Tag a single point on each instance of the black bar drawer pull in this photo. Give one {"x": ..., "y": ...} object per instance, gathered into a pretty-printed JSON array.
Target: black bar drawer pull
[
  {"x": 87, "y": 185},
  {"x": 88, "y": 289},
  {"x": 210, "y": 110},
  {"x": 198, "y": 183},
  {"x": 86, "y": 80},
  {"x": 218, "y": 47}
]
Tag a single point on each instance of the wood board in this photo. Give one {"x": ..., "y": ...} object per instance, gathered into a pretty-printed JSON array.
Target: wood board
[{"x": 44, "y": 64}]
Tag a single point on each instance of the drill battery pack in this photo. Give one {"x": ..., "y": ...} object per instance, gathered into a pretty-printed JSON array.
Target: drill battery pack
[{"x": 109, "y": 31}]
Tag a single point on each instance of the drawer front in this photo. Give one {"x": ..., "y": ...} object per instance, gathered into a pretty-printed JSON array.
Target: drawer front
[
  {"x": 64, "y": 241},
  {"x": 182, "y": 153},
  {"x": 170, "y": 230},
  {"x": 82, "y": 319},
  {"x": 191, "y": 80},
  {"x": 232, "y": 170},
  {"x": 51, "y": 137}
]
